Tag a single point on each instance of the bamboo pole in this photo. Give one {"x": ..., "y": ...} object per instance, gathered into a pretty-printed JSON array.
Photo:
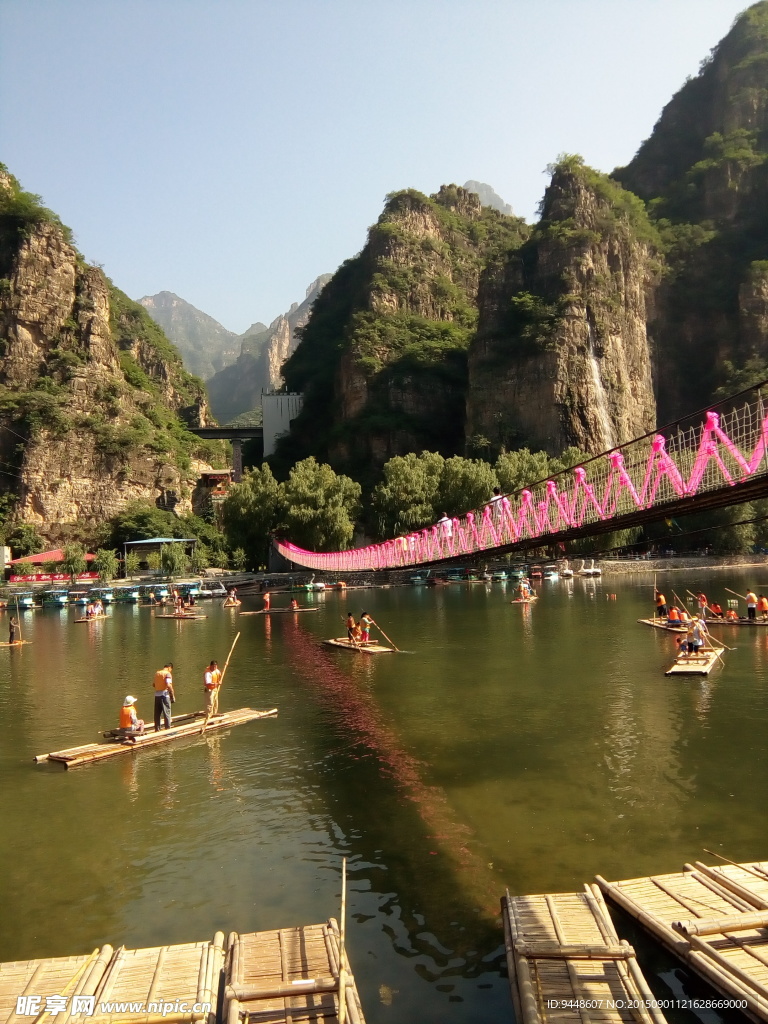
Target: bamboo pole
[
  {"x": 741, "y": 891},
  {"x": 720, "y": 925},
  {"x": 758, "y": 874},
  {"x": 215, "y": 707},
  {"x": 72, "y": 983},
  {"x": 386, "y": 637},
  {"x": 284, "y": 989},
  {"x": 506, "y": 911},
  {"x": 342, "y": 943},
  {"x": 742, "y": 596}
]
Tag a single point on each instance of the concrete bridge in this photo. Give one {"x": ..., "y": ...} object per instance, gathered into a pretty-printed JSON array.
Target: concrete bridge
[
  {"x": 234, "y": 434},
  {"x": 710, "y": 459}
]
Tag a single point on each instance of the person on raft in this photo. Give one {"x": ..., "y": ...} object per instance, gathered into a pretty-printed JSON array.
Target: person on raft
[
  {"x": 13, "y": 628},
  {"x": 164, "y": 695},
  {"x": 211, "y": 684},
  {"x": 266, "y": 598},
  {"x": 351, "y": 627},
  {"x": 294, "y": 604},
  {"x": 661, "y": 605},
  {"x": 130, "y": 723},
  {"x": 365, "y": 628}
]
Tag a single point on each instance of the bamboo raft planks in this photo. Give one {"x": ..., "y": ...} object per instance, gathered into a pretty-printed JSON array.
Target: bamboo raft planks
[
  {"x": 279, "y": 611},
  {"x": 371, "y": 647},
  {"x": 192, "y": 725},
  {"x": 289, "y": 975},
  {"x": 700, "y": 664},
  {"x": 663, "y": 624},
  {"x": 712, "y": 917},
  {"x": 182, "y": 615},
  {"x": 567, "y": 964}
]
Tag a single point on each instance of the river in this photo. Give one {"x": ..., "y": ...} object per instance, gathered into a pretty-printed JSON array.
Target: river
[{"x": 520, "y": 746}]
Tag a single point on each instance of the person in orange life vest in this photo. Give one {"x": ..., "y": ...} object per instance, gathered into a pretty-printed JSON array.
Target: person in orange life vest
[
  {"x": 661, "y": 605},
  {"x": 732, "y": 615},
  {"x": 762, "y": 606},
  {"x": 674, "y": 615},
  {"x": 267, "y": 599},
  {"x": 211, "y": 684},
  {"x": 294, "y": 604},
  {"x": 702, "y": 601},
  {"x": 751, "y": 599},
  {"x": 351, "y": 627},
  {"x": 716, "y": 610},
  {"x": 130, "y": 723},
  {"x": 164, "y": 695}
]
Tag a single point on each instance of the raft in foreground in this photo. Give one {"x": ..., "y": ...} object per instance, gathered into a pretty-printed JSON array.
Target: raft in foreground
[
  {"x": 700, "y": 664},
  {"x": 563, "y": 954},
  {"x": 715, "y": 918},
  {"x": 289, "y": 975},
  {"x": 371, "y": 647},
  {"x": 664, "y": 624},
  {"x": 192, "y": 725}
]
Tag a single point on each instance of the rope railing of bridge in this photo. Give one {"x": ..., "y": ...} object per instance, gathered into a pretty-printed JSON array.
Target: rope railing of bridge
[{"x": 725, "y": 449}]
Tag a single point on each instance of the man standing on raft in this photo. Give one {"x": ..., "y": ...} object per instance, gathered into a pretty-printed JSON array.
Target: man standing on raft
[
  {"x": 211, "y": 683},
  {"x": 164, "y": 695}
]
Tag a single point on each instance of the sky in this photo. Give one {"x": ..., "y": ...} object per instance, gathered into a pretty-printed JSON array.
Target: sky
[{"x": 231, "y": 151}]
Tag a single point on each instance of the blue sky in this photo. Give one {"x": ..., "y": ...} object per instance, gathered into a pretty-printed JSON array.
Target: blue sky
[{"x": 233, "y": 150}]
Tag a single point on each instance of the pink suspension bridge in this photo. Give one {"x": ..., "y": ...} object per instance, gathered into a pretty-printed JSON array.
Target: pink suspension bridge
[{"x": 719, "y": 460}]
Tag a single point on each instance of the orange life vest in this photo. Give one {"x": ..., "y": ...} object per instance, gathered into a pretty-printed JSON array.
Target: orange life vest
[
  {"x": 762, "y": 604},
  {"x": 160, "y": 683},
  {"x": 215, "y": 679},
  {"x": 660, "y": 600},
  {"x": 674, "y": 615},
  {"x": 126, "y": 716},
  {"x": 731, "y": 614}
]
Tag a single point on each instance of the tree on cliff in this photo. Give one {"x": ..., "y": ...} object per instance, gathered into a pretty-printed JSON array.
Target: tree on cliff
[
  {"x": 464, "y": 484},
  {"x": 405, "y": 498}
]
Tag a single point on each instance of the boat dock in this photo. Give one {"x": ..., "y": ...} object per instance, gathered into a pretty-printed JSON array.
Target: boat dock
[
  {"x": 280, "y": 976},
  {"x": 714, "y": 918},
  {"x": 566, "y": 962}
]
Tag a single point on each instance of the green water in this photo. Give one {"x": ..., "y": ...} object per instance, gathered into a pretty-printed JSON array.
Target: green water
[{"x": 520, "y": 746}]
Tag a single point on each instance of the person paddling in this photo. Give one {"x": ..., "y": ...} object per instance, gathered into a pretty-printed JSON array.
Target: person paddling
[
  {"x": 751, "y": 599},
  {"x": 13, "y": 629},
  {"x": 267, "y": 599},
  {"x": 351, "y": 627},
  {"x": 661, "y": 605},
  {"x": 365, "y": 627}
]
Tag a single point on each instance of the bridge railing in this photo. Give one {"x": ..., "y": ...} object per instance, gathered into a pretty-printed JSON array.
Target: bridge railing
[{"x": 721, "y": 448}]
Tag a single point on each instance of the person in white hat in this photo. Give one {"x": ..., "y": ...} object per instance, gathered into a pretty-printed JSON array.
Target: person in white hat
[{"x": 130, "y": 723}]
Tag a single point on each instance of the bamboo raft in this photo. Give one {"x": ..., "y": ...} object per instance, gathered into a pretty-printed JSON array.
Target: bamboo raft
[
  {"x": 566, "y": 962},
  {"x": 524, "y": 600},
  {"x": 277, "y": 611},
  {"x": 192, "y": 725},
  {"x": 182, "y": 615},
  {"x": 290, "y": 975},
  {"x": 370, "y": 647},
  {"x": 700, "y": 664},
  {"x": 715, "y": 918},
  {"x": 16, "y": 643},
  {"x": 92, "y": 618},
  {"x": 663, "y": 624},
  {"x": 717, "y": 621}
]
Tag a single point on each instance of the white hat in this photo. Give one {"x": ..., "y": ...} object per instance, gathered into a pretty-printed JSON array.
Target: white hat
[{"x": 129, "y": 700}]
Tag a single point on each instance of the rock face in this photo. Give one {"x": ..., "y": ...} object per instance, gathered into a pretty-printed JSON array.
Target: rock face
[
  {"x": 704, "y": 173},
  {"x": 205, "y": 346},
  {"x": 237, "y": 389},
  {"x": 562, "y": 354},
  {"x": 382, "y": 362},
  {"x": 91, "y": 393}
]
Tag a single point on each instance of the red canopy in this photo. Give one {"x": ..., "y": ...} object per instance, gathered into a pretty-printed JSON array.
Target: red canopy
[{"x": 57, "y": 555}]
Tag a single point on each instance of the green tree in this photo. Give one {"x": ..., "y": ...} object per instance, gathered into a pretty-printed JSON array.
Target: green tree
[
  {"x": 106, "y": 564},
  {"x": 405, "y": 499},
  {"x": 464, "y": 484},
  {"x": 153, "y": 561},
  {"x": 320, "y": 506},
  {"x": 132, "y": 563},
  {"x": 200, "y": 559},
  {"x": 140, "y": 521},
  {"x": 521, "y": 468},
  {"x": 174, "y": 559},
  {"x": 23, "y": 539},
  {"x": 252, "y": 511},
  {"x": 238, "y": 559},
  {"x": 567, "y": 459},
  {"x": 74, "y": 561}
]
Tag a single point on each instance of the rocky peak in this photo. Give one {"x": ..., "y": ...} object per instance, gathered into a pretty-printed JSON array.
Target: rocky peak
[{"x": 489, "y": 197}]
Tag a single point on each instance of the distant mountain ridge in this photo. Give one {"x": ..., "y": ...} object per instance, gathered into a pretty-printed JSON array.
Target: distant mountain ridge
[
  {"x": 489, "y": 197},
  {"x": 237, "y": 389},
  {"x": 205, "y": 346}
]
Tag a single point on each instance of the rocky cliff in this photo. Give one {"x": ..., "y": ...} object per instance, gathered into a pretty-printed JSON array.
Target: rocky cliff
[
  {"x": 382, "y": 362},
  {"x": 237, "y": 389},
  {"x": 94, "y": 401},
  {"x": 204, "y": 345},
  {"x": 704, "y": 175},
  {"x": 562, "y": 354}
]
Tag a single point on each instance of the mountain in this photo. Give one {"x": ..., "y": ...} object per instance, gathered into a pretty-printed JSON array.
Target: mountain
[
  {"x": 383, "y": 358},
  {"x": 205, "y": 345},
  {"x": 488, "y": 197},
  {"x": 237, "y": 389},
  {"x": 94, "y": 400}
]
